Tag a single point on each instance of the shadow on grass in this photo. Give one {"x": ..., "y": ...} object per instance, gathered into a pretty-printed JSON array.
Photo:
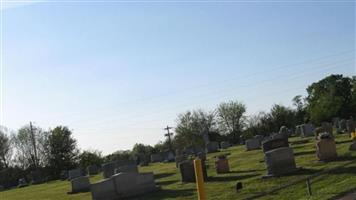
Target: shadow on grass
[
  {"x": 304, "y": 171},
  {"x": 167, "y": 182},
  {"x": 345, "y": 158},
  {"x": 168, "y": 194},
  {"x": 247, "y": 171},
  {"x": 342, "y": 194},
  {"x": 304, "y": 153},
  {"x": 344, "y": 170},
  {"x": 163, "y": 175},
  {"x": 343, "y": 141},
  {"x": 231, "y": 178}
]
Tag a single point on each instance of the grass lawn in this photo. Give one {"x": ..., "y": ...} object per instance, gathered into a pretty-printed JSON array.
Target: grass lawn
[{"x": 246, "y": 166}]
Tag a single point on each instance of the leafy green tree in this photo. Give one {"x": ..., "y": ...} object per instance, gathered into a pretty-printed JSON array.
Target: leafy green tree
[
  {"x": 231, "y": 119},
  {"x": 191, "y": 126},
  {"x": 90, "y": 157},
  {"x": 330, "y": 97},
  {"x": 118, "y": 155},
  {"x": 62, "y": 150}
]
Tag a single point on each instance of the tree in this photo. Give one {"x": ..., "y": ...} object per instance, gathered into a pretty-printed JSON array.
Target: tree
[
  {"x": 5, "y": 148},
  {"x": 62, "y": 150},
  {"x": 191, "y": 126},
  {"x": 90, "y": 157},
  {"x": 29, "y": 143},
  {"x": 330, "y": 97},
  {"x": 231, "y": 119}
]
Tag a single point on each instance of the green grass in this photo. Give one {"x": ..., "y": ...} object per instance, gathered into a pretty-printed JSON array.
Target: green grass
[{"x": 246, "y": 166}]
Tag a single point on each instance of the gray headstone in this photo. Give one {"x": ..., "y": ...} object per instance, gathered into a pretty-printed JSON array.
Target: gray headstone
[
  {"x": 187, "y": 172},
  {"x": 123, "y": 185},
  {"x": 127, "y": 168},
  {"x": 64, "y": 175},
  {"x": 92, "y": 170},
  {"x": 109, "y": 169},
  {"x": 80, "y": 184},
  {"x": 252, "y": 144},
  {"x": 274, "y": 144},
  {"x": 179, "y": 159},
  {"x": 212, "y": 147},
  {"x": 36, "y": 177},
  {"x": 74, "y": 173},
  {"x": 22, "y": 183},
  {"x": 222, "y": 165},
  {"x": 298, "y": 130},
  {"x": 225, "y": 144},
  {"x": 350, "y": 126},
  {"x": 342, "y": 125},
  {"x": 156, "y": 157},
  {"x": 280, "y": 161},
  {"x": 307, "y": 130}
]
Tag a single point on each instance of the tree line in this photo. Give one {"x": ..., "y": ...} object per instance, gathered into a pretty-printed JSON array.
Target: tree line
[{"x": 54, "y": 150}]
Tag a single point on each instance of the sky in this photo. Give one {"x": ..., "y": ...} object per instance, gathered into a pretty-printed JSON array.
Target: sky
[{"x": 117, "y": 72}]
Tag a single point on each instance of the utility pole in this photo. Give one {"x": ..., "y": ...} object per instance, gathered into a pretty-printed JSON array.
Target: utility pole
[
  {"x": 34, "y": 145},
  {"x": 168, "y": 134}
]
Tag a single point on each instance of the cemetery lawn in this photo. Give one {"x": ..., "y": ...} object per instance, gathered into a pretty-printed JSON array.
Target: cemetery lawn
[{"x": 246, "y": 166}]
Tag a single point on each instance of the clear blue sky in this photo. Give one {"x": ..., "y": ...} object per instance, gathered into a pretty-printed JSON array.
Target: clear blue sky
[{"x": 117, "y": 73}]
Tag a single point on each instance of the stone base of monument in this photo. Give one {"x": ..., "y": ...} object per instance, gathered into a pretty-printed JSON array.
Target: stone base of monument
[
  {"x": 80, "y": 184},
  {"x": 123, "y": 185},
  {"x": 280, "y": 162}
]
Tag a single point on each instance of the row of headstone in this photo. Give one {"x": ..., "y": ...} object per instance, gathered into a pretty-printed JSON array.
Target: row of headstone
[
  {"x": 74, "y": 173},
  {"x": 166, "y": 156},
  {"x": 123, "y": 185},
  {"x": 212, "y": 147},
  {"x": 225, "y": 145}
]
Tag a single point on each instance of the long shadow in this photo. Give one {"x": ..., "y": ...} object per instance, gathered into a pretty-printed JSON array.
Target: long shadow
[
  {"x": 231, "y": 178},
  {"x": 163, "y": 175},
  {"x": 345, "y": 158},
  {"x": 247, "y": 171},
  {"x": 343, "y": 141},
  {"x": 304, "y": 153},
  {"x": 167, "y": 182},
  {"x": 342, "y": 194},
  {"x": 304, "y": 171},
  {"x": 344, "y": 170},
  {"x": 165, "y": 194}
]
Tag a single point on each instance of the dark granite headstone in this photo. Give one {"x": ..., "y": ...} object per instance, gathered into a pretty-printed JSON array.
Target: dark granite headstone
[
  {"x": 187, "y": 171},
  {"x": 274, "y": 144}
]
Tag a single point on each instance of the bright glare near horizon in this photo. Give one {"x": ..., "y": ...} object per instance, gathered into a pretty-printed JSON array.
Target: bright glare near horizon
[{"x": 117, "y": 73}]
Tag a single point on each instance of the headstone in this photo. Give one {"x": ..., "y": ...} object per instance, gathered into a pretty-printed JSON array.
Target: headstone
[
  {"x": 126, "y": 169},
  {"x": 260, "y": 138},
  {"x": 274, "y": 144},
  {"x": 212, "y": 147},
  {"x": 108, "y": 169},
  {"x": 252, "y": 144},
  {"x": 179, "y": 159},
  {"x": 222, "y": 165},
  {"x": 298, "y": 130},
  {"x": 350, "y": 126},
  {"x": 80, "y": 184},
  {"x": 307, "y": 130},
  {"x": 92, "y": 170},
  {"x": 280, "y": 161},
  {"x": 342, "y": 126},
  {"x": 170, "y": 156},
  {"x": 36, "y": 177},
  {"x": 123, "y": 185},
  {"x": 353, "y": 146},
  {"x": 22, "y": 183},
  {"x": 64, "y": 175},
  {"x": 187, "y": 171},
  {"x": 74, "y": 173},
  {"x": 336, "y": 122},
  {"x": 284, "y": 131},
  {"x": 225, "y": 144},
  {"x": 326, "y": 149},
  {"x": 156, "y": 157},
  {"x": 327, "y": 127}
]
